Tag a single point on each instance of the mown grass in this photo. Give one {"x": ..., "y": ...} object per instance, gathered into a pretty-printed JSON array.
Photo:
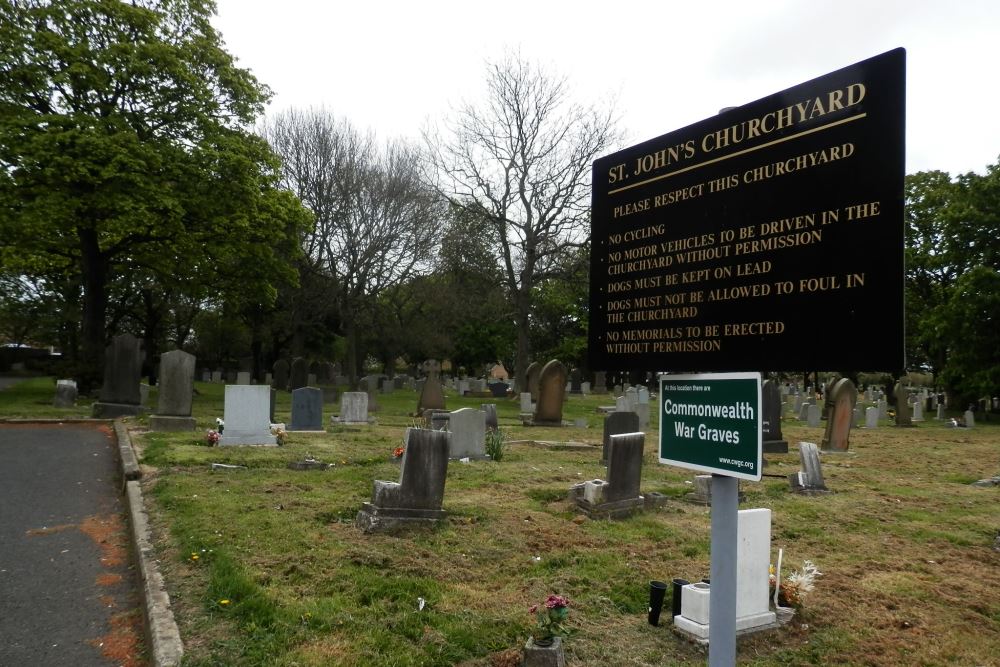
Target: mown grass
[{"x": 905, "y": 545}]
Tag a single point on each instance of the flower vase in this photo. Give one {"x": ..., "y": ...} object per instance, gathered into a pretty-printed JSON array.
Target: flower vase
[{"x": 538, "y": 654}]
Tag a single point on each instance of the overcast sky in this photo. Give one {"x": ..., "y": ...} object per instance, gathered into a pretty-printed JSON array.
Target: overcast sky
[{"x": 393, "y": 66}]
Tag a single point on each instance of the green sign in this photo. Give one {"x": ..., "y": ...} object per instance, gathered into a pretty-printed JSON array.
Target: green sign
[{"x": 711, "y": 423}]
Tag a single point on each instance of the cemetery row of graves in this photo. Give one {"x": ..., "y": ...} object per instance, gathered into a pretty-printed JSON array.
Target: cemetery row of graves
[{"x": 380, "y": 532}]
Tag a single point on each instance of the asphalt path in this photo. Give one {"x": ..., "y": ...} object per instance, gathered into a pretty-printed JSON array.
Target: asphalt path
[{"x": 68, "y": 594}]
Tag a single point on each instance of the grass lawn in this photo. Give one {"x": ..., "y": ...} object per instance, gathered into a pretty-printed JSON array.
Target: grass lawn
[{"x": 905, "y": 544}]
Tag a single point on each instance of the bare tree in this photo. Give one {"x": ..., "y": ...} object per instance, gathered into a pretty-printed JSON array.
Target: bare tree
[
  {"x": 375, "y": 220},
  {"x": 522, "y": 161}
]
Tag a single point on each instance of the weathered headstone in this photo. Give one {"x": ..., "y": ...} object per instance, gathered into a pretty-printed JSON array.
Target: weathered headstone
[
  {"x": 809, "y": 480},
  {"x": 772, "y": 440},
  {"x": 903, "y": 416},
  {"x": 551, "y": 391},
  {"x": 617, "y": 423},
  {"x": 353, "y": 407},
  {"x": 532, "y": 376},
  {"x": 468, "y": 434},
  {"x": 307, "y": 409},
  {"x": 176, "y": 391},
  {"x": 247, "y": 409},
  {"x": 417, "y": 497},
  {"x": 122, "y": 369},
  {"x": 618, "y": 496},
  {"x": 66, "y": 393},
  {"x": 432, "y": 394},
  {"x": 299, "y": 374},
  {"x": 843, "y": 396},
  {"x": 490, "y": 410}
]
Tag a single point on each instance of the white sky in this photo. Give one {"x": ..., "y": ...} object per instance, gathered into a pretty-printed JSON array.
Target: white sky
[{"x": 392, "y": 66}]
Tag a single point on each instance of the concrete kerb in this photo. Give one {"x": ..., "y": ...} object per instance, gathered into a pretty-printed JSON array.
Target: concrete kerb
[{"x": 162, "y": 635}]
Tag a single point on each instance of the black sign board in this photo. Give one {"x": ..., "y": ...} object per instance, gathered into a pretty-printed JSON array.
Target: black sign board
[{"x": 769, "y": 237}]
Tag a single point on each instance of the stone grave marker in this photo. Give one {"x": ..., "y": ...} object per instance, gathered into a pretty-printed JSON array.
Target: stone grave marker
[
  {"x": 66, "y": 393},
  {"x": 772, "y": 440},
  {"x": 843, "y": 397},
  {"x": 120, "y": 394},
  {"x": 532, "y": 375},
  {"x": 432, "y": 394},
  {"x": 281, "y": 373},
  {"x": 490, "y": 410},
  {"x": 618, "y": 496},
  {"x": 468, "y": 434},
  {"x": 551, "y": 390},
  {"x": 617, "y": 423},
  {"x": 353, "y": 407},
  {"x": 247, "y": 417},
  {"x": 809, "y": 480},
  {"x": 418, "y": 496},
  {"x": 307, "y": 409},
  {"x": 173, "y": 410}
]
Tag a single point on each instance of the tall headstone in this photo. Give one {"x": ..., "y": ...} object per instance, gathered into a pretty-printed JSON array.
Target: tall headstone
[
  {"x": 842, "y": 397},
  {"x": 307, "y": 409},
  {"x": 551, "y": 390},
  {"x": 122, "y": 370},
  {"x": 299, "y": 374},
  {"x": 353, "y": 407},
  {"x": 490, "y": 410},
  {"x": 532, "y": 376},
  {"x": 66, "y": 393},
  {"x": 280, "y": 371},
  {"x": 432, "y": 394},
  {"x": 617, "y": 423},
  {"x": 903, "y": 416},
  {"x": 419, "y": 494},
  {"x": 247, "y": 409},
  {"x": 468, "y": 434},
  {"x": 772, "y": 440},
  {"x": 173, "y": 410}
]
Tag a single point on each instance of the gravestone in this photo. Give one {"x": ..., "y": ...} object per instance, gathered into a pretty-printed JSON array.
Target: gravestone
[
  {"x": 813, "y": 416},
  {"x": 247, "y": 417},
  {"x": 772, "y": 440},
  {"x": 753, "y": 558},
  {"x": 281, "y": 371},
  {"x": 871, "y": 417},
  {"x": 417, "y": 497},
  {"x": 243, "y": 377},
  {"x": 307, "y": 409},
  {"x": 173, "y": 410},
  {"x": 617, "y": 423},
  {"x": 468, "y": 434},
  {"x": 532, "y": 376},
  {"x": 66, "y": 393},
  {"x": 809, "y": 480},
  {"x": 432, "y": 394},
  {"x": 299, "y": 374},
  {"x": 903, "y": 416},
  {"x": 122, "y": 369},
  {"x": 618, "y": 496},
  {"x": 575, "y": 381},
  {"x": 353, "y": 407},
  {"x": 843, "y": 396},
  {"x": 526, "y": 405},
  {"x": 490, "y": 410},
  {"x": 551, "y": 390},
  {"x": 600, "y": 382}
]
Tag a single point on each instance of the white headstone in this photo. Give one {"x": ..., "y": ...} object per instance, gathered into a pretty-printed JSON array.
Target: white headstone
[
  {"x": 247, "y": 416},
  {"x": 468, "y": 434}
]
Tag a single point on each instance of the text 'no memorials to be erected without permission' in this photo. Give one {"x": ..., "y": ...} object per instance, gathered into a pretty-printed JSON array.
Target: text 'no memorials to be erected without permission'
[{"x": 767, "y": 237}]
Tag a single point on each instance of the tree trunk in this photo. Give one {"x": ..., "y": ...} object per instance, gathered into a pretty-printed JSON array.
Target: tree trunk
[{"x": 94, "y": 272}]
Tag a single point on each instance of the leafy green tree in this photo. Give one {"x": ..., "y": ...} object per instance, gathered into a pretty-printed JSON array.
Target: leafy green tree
[{"x": 124, "y": 144}]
